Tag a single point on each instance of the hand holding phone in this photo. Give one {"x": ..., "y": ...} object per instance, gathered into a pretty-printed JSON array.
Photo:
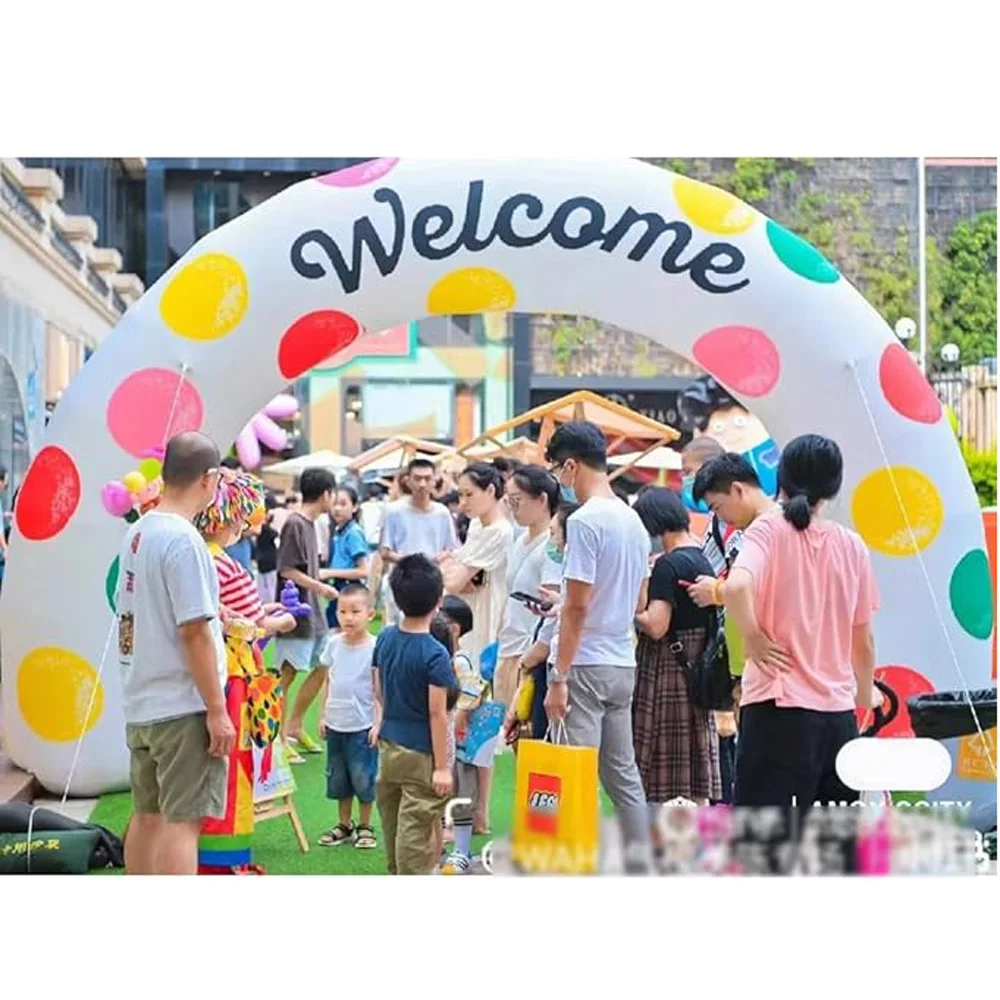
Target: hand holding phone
[{"x": 536, "y": 605}]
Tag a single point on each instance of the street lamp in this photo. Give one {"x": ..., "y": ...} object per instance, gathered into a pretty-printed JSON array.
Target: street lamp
[
  {"x": 950, "y": 354},
  {"x": 906, "y": 329}
]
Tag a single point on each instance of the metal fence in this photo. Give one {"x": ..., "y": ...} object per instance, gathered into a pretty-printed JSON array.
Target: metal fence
[{"x": 971, "y": 394}]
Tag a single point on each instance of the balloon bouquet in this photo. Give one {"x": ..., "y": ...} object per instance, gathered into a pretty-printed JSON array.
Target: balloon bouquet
[{"x": 140, "y": 490}]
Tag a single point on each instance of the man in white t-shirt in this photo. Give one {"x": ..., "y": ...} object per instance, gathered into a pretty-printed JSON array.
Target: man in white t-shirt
[
  {"x": 416, "y": 524},
  {"x": 605, "y": 579},
  {"x": 173, "y": 663}
]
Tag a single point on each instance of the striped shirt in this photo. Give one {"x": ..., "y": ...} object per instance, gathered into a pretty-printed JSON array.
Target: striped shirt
[
  {"x": 731, "y": 538},
  {"x": 237, "y": 591}
]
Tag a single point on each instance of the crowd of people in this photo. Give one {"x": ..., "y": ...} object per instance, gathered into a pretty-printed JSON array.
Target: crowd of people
[{"x": 536, "y": 594}]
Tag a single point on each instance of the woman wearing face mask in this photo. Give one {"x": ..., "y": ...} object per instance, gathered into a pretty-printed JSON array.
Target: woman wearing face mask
[
  {"x": 533, "y": 666},
  {"x": 532, "y": 497}
]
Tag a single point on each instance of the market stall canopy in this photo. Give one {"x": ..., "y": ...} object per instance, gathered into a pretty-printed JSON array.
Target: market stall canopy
[
  {"x": 315, "y": 460},
  {"x": 619, "y": 423},
  {"x": 662, "y": 459},
  {"x": 522, "y": 448},
  {"x": 394, "y": 453}
]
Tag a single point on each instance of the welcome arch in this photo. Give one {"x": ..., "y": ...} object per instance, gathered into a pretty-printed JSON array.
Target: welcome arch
[{"x": 278, "y": 290}]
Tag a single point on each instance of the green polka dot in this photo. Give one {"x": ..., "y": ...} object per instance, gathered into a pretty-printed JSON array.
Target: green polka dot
[
  {"x": 798, "y": 256},
  {"x": 971, "y": 594},
  {"x": 111, "y": 585}
]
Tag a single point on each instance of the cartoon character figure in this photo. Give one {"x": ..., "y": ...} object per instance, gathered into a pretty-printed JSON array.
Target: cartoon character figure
[{"x": 706, "y": 408}]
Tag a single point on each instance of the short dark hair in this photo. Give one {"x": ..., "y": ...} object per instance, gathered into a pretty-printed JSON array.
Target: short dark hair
[
  {"x": 581, "y": 440},
  {"x": 441, "y": 630},
  {"x": 417, "y": 585},
  {"x": 811, "y": 469},
  {"x": 449, "y": 498},
  {"x": 3, "y": 471},
  {"x": 458, "y": 612},
  {"x": 505, "y": 465},
  {"x": 538, "y": 482},
  {"x": 231, "y": 463},
  {"x": 484, "y": 475},
  {"x": 661, "y": 510},
  {"x": 718, "y": 474},
  {"x": 357, "y": 589},
  {"x": 315, "y": 482},
  {"x": 188, "y": 457},
  {"x": 420, "y": 463}
]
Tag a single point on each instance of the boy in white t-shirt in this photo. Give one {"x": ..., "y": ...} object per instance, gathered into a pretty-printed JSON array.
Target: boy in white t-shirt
[{"x": 350, "y": 722}]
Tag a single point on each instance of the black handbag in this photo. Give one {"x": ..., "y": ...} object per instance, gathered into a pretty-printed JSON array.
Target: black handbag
[{"x": 709, "y": 682}]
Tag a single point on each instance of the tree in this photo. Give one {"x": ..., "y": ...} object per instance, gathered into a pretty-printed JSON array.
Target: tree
[{"x": 962, "y": 291}]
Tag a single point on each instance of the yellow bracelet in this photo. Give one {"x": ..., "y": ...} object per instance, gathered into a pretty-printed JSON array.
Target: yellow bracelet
[{"x": 717, "y": 593}]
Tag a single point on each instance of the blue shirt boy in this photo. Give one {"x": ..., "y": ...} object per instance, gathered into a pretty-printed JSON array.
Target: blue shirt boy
[{"x": 408, "y": 663}]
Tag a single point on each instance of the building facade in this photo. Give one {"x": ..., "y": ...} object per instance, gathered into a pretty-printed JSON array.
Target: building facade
[{"x": 61, "y": 292}]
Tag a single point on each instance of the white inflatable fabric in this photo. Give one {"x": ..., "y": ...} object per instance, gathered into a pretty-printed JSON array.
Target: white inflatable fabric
[{"x": 260, "y": 301}]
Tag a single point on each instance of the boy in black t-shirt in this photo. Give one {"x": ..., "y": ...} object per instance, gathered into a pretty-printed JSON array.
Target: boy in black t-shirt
[{"x": 413, "y": 674}]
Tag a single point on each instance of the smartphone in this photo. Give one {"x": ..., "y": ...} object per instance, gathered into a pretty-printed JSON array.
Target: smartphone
[{"x": 530, "y": 601}]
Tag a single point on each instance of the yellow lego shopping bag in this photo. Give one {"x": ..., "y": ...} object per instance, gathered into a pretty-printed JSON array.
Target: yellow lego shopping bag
[{"x": 556, "y": 810}]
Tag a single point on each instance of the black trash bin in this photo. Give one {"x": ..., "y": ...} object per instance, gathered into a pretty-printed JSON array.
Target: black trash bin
[{"x": 947, "y": 715}]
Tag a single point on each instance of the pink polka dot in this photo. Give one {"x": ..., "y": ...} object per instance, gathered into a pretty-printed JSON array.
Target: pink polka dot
[
  {"x": 743, "y": 358},
  {"x": 140, "y": 407},
  {"x": 49, "y": 495},
  {"x": 905, "y": 387},
  {"x": 314, "y": 338},
  {"x": 361, "y": 173}
]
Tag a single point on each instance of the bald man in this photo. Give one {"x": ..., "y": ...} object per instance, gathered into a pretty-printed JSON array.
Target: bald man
[{"x": 173, "y": 664}]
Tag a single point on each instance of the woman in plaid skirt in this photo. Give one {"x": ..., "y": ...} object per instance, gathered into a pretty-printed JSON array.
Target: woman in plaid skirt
[{"x": 676, "y": 744}]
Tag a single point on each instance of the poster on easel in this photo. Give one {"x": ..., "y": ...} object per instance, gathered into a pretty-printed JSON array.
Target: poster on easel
[
  {"x": 274, "y": 789},
  {"x": 277, "y": 779}
]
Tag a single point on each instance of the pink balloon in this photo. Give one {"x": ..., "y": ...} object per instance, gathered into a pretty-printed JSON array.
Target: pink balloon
[
  {"x": 281, "y": 407},
  {"x": 115, "y": 499},
  {"x": 157, "y": 453},
  {"x": 269, "y": 433},
  {"x": 247, "y": 448}
]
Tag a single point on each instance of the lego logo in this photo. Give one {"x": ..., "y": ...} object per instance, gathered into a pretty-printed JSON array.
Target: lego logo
[{"x": 543, "y": 802}]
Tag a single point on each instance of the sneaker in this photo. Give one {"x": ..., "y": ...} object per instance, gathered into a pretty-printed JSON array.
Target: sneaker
[
  {"x": 365, "y": 838},
  {"x": 340, "y": 834},
  {"x": 457, "y": 864}
]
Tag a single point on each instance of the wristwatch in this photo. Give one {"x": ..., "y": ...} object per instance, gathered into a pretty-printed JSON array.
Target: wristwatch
[{"x": 557, "y": 677}]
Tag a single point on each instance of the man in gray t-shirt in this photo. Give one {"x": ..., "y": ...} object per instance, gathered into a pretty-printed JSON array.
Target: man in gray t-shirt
[
  {"x": 605, "y": 578},
  {"x": 173, "y": 665},
  {"x": 416, "y": 524}
]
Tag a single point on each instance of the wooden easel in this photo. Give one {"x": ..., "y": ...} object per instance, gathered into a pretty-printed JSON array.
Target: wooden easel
[{"x": 282, "y": 804}]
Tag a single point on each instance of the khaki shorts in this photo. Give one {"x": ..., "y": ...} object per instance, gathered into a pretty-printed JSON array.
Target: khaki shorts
[{"x": 171, "y": 770}]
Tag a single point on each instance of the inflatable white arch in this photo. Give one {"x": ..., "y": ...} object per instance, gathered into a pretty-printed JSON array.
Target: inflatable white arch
[{"x": 262, "y": 300}]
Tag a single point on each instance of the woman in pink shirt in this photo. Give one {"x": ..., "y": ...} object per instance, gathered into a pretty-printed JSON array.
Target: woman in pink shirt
[{"x": 802, "y": 593}]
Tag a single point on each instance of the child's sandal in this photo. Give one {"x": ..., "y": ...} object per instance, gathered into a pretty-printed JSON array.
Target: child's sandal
[
  {"x": 340, "y": 834},
  {"x": 365, "y": 838}
]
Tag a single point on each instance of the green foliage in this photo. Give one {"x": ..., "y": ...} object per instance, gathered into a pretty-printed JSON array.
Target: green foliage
[
  {"x": 982, "y": 467},
  {"x": 962, "y": 291},
  {"x": 568, "y": 334}
]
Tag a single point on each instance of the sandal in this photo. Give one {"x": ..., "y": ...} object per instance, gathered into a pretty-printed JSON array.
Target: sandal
[
  {"x": 340, "y": 834},
  {"x": 365, "y": 840}
]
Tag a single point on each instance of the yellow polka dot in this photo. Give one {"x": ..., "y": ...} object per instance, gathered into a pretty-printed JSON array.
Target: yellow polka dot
[
  {"x": 711, "y": 208},
  {"x": 897, "y": 511},
  {"x": 54, "y": 688},
  {"x": 207, "y": 299},
  {"x": 470, "y": 290}
]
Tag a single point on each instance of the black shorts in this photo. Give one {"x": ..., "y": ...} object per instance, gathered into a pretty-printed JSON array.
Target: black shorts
[{"x": 788, "y": 755}]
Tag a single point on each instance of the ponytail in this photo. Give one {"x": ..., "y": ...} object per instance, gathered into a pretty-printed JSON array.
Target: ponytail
[{"x": 798, "y": 512}]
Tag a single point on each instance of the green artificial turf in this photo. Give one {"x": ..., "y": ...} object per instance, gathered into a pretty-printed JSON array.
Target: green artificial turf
[{"x": 275, "y": 846}]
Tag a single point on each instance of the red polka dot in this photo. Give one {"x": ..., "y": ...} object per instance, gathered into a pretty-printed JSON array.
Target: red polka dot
[
  {"x": 314, "y": 338},
  {"x": 49, "y": 495},
  {"x": 140, "y": 407},
  {"x": 905, "y": 387},
  {"x": 742, "y": 357},
  {"x": 361, "y": 173},
  {"x": 907, "y": 683}
]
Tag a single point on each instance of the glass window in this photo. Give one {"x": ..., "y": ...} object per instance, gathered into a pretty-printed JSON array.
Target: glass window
[
  {"x": 217, "y": 202},
  {"x": 420, "y": 409}
]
